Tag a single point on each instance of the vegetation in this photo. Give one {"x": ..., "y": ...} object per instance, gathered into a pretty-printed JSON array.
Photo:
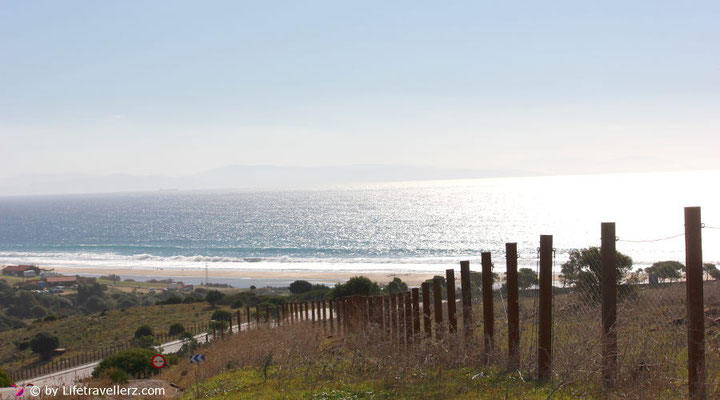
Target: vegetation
[
  {"x": 527, "y": 278},
  {"x": 711, "y": 270},
  {"x": 176, "y": 329},
  {"x": 221, "y": 315},
  {"x": 144, "y": 330},
  {"x": 583, "y": 270},
  {"x": 357, "y": 285},
  {"x": 300, "y": 286},
  {"x": 396, "y": 286},
  {"x": 665, "y": 270},
  {"x": 44, "y": 344},
  {"x": 4, "y": 379},
  {"x": 213, "y": 297},
  {"x": 133, "y": 362}
]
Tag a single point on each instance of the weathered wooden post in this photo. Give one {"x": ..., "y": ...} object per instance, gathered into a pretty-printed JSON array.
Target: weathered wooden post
[
  {"x": 513, "y": 306},
  {"x": 239, "y": 322},
  {"x": 394, "y": 315},
  {"x": 609, "y": 302},
  {"x": 381, "y": 312},
  {"x": 324, "y": 304},
  {"x": 426, "y": 309},
  {"x": 488, "y": 305},
  {"x": 408, "y": 317},
  {"x": 545, "y": 309},
  {"x": 437, "y": 305},
  {"x": 451, "y": 302},
  {"x": 466, "y": 293},
  {"x": 695, "y": 303},
  {"x": 307, "y": 311},
  {"x": 257, "y": 316},
  {"x": 416, "y": 311},
  {"x": 312, "y": 311},
  {"x": 370, "y": 305},
  {"x": 247, "y": 309}
]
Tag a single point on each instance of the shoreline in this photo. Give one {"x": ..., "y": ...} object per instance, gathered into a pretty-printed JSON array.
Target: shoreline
[{"x": 412, "y": 279}]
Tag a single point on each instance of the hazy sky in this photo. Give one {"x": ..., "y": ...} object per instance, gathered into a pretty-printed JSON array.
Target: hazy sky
[{"x": 176, "y": 87}]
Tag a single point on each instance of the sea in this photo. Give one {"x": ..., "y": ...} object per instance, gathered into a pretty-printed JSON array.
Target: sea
[{"x": 402, "y": 227}]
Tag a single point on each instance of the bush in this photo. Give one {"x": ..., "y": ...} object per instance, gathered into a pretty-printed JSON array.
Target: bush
[
  {"x": 4, "y": 379},
  {"x": 221, "y": 315},
  {"x": 145, "y": 342},
  {"x": 396, "y": 286},
  {"x": 171, "y": 300},
  {"x": 356, "y": 285},
  {"x": 176, "y": 329},
  {"x": 23, "y": 344},
  {"x": 95, "y": 304},
  {"x": 237, "y": 304},
  {"x": 134, "y": 362},
  {"x": 50, "y": 317},
  {"x": 218, "y": 325},
  {"x": 666, "y": 270},
  {"x": 144, "y": 330},
  {"x": 117, "y": 375},
  {"x": 44, "y": 344},
  {"x": 213, "y": 296},
  {"x": 300, "y": 286}
]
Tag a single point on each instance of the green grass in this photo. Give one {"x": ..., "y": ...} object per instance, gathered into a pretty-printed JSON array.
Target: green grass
[
  {"x": 465, "y": 383},
  {"x": 83, "y": 333}
]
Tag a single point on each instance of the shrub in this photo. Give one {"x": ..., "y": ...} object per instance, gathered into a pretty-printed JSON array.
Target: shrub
[
  {"x": 221, "y": 315},
  {"x": 666, "y": 270},
  {"x": 23, "y": 344},
  {"x": 213, "y": 296},
  {"x": 145, "y": 342},
  {"x": 176, "y": 329},
  {"x": 237, "y": 304},
  {"x": 4, "y": 379},
  {"x": 144, "y": 330},
  {"x": 300, "y": 286},
  {"x": 50, "y": 317},
  {"x": 95, "y": 304},
  {"x": 117, "y": 375},
  {"x": 218, "y": 325},
  {"x": 356, "y": 285},
  {"x": 44, "y": 344},
  {"x": 396, "y": 286},
  {"x": 134, "y": 362},
  {"x": 171, "y": 300}
]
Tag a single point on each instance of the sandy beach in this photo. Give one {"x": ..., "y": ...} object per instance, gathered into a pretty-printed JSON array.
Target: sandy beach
[{"x": 409, "y": 278}]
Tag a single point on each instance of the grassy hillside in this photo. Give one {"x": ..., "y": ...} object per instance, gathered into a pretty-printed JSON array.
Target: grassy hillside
[{"x": 81, "y": 333}]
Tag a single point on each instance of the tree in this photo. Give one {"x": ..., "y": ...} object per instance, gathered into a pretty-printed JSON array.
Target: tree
[
  {"x": 44, "y": 344},
  {"x": 715, "y": 274},
  {"x": 583, "y": 270},
  {"x": 213, "y": 296},
  {"x": 709, "y": 268},
  {"x": 95, "y": 304},
  {"x": 176, "y": 329},
  {"x": 527, "y": 278},
  {"x": 356, "y": 285},
  {"x": 85, "y": 291},
  {"x": 300, "y": 286},
  {"x": 144, "y": 330},
  {"x": 396, "y": 286},
  {"x": 221, "y": 315},
  {"x": 476, "y": 282},
  {"x": 666, "y": 270}
]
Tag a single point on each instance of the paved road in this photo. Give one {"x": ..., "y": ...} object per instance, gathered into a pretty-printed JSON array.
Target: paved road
[{"x": 71, "y": 375}]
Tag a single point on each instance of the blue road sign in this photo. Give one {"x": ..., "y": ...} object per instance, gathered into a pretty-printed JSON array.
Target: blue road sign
[{"x": 195, "y": 358}]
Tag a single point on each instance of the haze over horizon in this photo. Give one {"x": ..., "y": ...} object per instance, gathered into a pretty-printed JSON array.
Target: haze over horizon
[{"x": 176, "y": 88}]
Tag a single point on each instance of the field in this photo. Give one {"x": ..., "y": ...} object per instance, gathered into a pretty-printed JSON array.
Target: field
[{"x": 86, "y": 333}]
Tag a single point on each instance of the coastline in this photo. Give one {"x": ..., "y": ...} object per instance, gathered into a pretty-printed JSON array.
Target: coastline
[{"x": 412, "y": 279}]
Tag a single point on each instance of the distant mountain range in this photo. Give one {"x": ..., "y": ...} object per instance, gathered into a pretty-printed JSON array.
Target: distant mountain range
[{"x": 237, "y": 177}]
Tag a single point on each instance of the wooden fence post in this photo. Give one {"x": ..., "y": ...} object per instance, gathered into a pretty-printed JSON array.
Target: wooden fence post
[
  {"x": 307, "y": 311},
  {"x": 416, "y": 311},
  {"x": 312, "y": 311},
  {"x": 513, "y": 306},
  {"x": 394, "y": 315},
  {"x": 545, "y": 309},
  {"x": 466, "y": 294},
  {"x": 488, "y": 305},
  {"x": 324, "y": 305},
  {"x": 408, "y": 317},
  {"x": 381, "y": 312},
  {"x": 451, "y": 302},
  {"x": 238, "y": 319},
  {"x": 369, "y": 302},
  {"x": 437, "y": 305},
  {"x": 426, "y": 309},
  {"x": 247, "y": 311},
  {"x": 695, "y": 303},
  {"x": 609, "y": 302}
]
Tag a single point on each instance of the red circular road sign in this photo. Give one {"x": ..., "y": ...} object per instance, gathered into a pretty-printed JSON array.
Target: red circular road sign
[{"x": 158, "y": 361}]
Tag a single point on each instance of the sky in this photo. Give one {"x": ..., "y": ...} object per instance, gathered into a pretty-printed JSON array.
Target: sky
[{"x": 178, "y": 87}]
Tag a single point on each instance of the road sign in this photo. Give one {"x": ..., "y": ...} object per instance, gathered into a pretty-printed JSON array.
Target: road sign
[
  {"x": 158, "y": 361},
  {"x": 196, "y": 358}
]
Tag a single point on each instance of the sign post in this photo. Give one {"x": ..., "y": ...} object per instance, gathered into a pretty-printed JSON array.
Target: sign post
[{"x": 197, "y": 359}]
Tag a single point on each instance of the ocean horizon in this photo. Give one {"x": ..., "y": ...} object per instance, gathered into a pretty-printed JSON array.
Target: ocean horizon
[{"x": 407, "y": 227}]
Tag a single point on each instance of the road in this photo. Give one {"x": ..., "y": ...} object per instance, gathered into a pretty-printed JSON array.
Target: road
[{"x": 71, "y": 375}]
